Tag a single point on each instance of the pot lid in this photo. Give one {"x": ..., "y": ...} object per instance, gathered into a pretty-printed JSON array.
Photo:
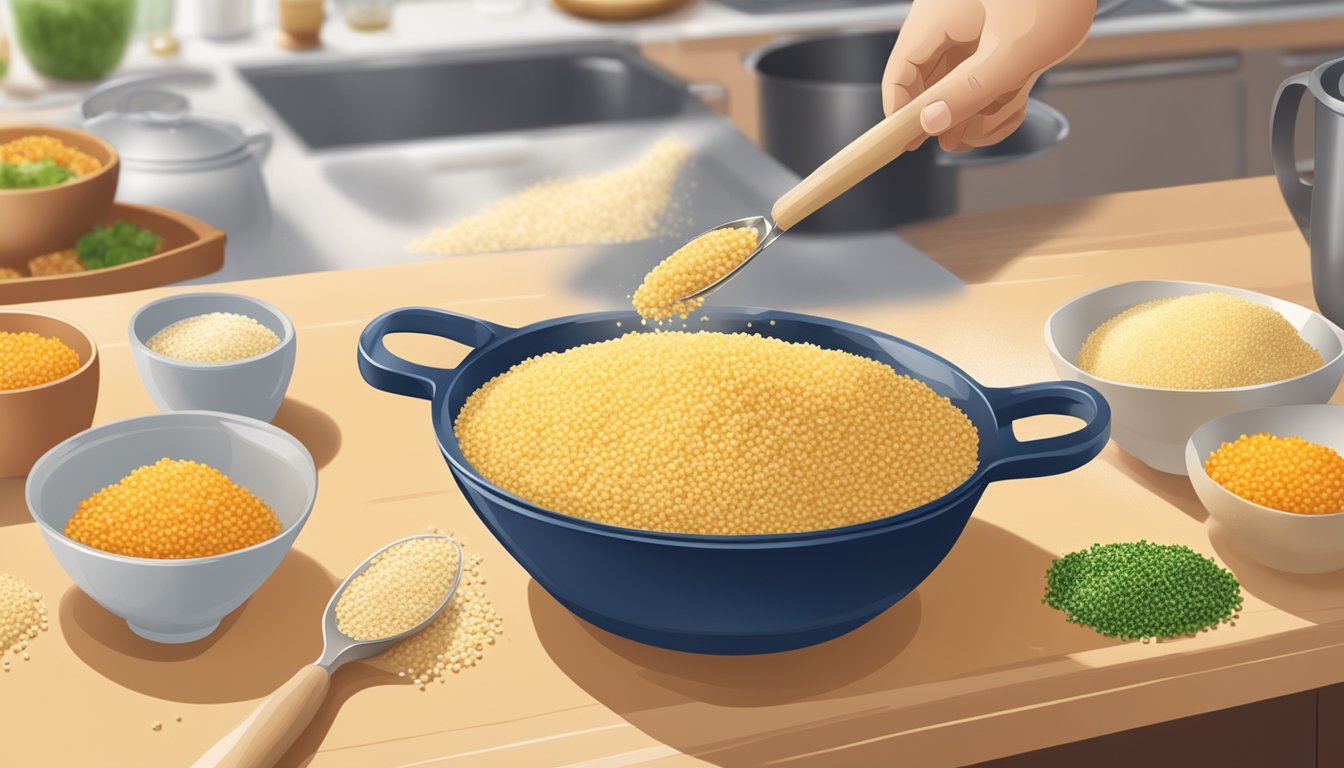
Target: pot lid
[{"x": 157, "y": 125}]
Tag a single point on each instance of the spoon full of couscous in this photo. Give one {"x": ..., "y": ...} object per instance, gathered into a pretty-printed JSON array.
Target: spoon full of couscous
[
  {"x": 401, "y": 589},
  {"x": 679, "y": 285}
]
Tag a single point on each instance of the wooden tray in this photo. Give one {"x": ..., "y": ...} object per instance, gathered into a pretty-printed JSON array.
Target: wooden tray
[{"x": 191, "y": 248}]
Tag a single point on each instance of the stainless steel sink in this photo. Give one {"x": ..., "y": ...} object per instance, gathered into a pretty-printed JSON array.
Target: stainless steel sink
[{"x": 387, "y": 100}]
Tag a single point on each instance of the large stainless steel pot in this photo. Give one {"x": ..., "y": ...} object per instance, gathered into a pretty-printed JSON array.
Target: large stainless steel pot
[{"x": 818, "y": 94}]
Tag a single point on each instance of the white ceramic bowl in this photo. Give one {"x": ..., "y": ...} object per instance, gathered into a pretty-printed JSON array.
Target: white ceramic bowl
[
  {"x": 254, "y": 386},
  {"x": 173, "y": 601},
  {"x": 1282, "y": 540},
  {"x": 1153, "y": 423}
]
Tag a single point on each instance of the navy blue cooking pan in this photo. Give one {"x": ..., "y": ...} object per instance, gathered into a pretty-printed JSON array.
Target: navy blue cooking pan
[{"x": 730, "y": 594}]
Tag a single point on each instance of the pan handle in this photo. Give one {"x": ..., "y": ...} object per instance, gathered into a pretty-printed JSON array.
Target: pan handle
[
  {"x": 1051, "y": 455},
  {"x": 390, "y": 373}
]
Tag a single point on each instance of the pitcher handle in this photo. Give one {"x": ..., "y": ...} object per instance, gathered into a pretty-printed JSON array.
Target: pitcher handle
[{"x": 1283, "y": 133}]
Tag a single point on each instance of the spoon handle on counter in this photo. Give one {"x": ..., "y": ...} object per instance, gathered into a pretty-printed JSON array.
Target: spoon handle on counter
[
  {"x": 878, "y": 146},
  {"x": 261, "y": 739}
]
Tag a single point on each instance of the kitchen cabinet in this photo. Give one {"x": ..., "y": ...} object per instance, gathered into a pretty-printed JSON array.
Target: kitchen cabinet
[
  {"x": 1280, "y": 732},
  {"x": 1133, "y": 125}
]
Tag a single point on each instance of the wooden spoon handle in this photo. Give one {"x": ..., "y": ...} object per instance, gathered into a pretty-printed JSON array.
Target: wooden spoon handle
[
  {"x": 878, "y": 146},
  {"x": 260, "y": 740}
]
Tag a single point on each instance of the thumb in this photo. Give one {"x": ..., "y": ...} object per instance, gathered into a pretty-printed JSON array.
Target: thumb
[{"x": 965, "y": 92}]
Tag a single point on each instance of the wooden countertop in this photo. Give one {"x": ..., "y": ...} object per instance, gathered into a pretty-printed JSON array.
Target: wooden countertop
[{"x": 968, "y": 668}]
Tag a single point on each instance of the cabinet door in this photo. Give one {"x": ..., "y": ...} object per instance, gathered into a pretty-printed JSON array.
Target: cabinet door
[{"x": 1134, "y": 125}]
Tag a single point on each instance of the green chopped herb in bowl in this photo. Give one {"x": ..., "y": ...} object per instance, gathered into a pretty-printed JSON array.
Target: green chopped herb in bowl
[
  {"x": 43, "y": 173},
  {"x": 120, "y": 243}
]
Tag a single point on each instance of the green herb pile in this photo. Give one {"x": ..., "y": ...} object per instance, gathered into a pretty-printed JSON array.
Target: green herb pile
[
  {"x": 121, "y": 243},
  {"x": 43, "y": 173},
  {"x": 73, "y": 39},
  {"x": 1141, "y": 590}
]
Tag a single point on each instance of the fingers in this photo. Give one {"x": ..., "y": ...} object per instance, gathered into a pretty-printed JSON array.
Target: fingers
[
  {"x": 974, "y": 86},
  {"x": 999, "y": 133},
  {"x": 989, "y": 127},
  {"x": 921, "y": 44}
]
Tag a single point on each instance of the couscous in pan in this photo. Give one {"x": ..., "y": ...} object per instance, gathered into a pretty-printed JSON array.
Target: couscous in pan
[{"x": 747, "y": 592}]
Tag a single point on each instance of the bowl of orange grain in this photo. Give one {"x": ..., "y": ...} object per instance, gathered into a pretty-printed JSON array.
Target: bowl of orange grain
[
  {"x": 48, "y": 386},
  {"x": 1274, "y": 479},
  {"x": 56, "y": 183},
  {"x": 172, "y": 521}
]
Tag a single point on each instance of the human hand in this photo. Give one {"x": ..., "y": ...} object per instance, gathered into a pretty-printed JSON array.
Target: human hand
[{"x": 977, "y": 60}]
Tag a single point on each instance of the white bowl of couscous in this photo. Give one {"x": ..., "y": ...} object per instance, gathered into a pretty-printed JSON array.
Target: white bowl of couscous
[
  {"x": 1154, "y": 422},
  {"x": 214, "y": 352},
  {"x": 128, "y": 508}
]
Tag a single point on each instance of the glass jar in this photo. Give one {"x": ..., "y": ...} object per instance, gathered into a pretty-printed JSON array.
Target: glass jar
[{"x": 73, "y": 39}]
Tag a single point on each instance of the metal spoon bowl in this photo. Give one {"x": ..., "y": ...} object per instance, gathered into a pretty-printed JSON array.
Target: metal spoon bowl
[
  {"x": 767, "y": 232},
  {"x": 339, "y": 648}
]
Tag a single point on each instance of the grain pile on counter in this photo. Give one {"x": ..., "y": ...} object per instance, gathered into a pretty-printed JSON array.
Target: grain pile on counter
[
  {"x": 456, "y": 639},
  {"x": 716, "y": 433},
  {"x": 1284, "y": 473},
  {"x": 217, "y": 337},
  {"x": 172, "y": 510},
  {"x": 619, "y": 206},
  {"x": 401, "y": 588},
  {"x": 1202, "y": 341},
  {"x": 1140, "y": 590},
  {"x": 29, "y": 360},
  {"x": 22, "y": 616},
  {"x": 691, "y": 269}
]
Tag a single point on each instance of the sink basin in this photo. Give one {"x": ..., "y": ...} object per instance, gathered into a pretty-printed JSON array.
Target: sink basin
[{"x": 385, "y": 100}]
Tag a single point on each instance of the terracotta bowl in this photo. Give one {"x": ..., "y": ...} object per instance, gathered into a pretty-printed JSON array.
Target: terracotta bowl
[
  {"x": 46, "y": 219},
  {"x": 36, "y": 418}
]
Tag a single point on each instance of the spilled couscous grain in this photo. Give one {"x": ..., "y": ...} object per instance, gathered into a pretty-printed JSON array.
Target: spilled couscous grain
[
  {"x": 1284, "y": 473},
  {"x": 28, "y": 360},
  {"x": 624, "y": 205},
  {"x": 691, "y": 269},
  {"x": 401, "y": 588},
  {"x": 1201, "y": 341},
  {"x": 23, "y": 615},
  {"x": 457, "y": 638},
  {"x": 714, "y": 433},
  {"x": 171, "y": 510},
  {"x": 216, "y": 337}
]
